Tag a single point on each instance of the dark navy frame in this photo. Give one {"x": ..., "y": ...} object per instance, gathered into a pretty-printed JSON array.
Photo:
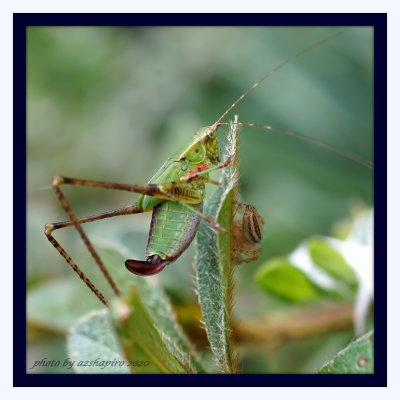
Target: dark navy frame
[{"x": 378, "y": 21}]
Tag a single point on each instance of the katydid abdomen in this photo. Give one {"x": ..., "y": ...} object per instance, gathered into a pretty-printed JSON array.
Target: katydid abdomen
[{"x": 172, "y": 230}]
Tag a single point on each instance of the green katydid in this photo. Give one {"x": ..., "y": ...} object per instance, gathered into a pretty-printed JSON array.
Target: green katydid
[{"x": 175, "y": 196}]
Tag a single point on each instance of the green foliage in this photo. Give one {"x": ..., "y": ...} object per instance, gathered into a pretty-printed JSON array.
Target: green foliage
[
  {"x": 356, "y": 358},
  {"x": 314, "y": 271},
  {"x": 93, "y": 346},
  {"x": 213, "y": 266},
  {"x": 286, "y": 281},
  {"x": 163, "y": 319},
  {"x": 331, "y": 261},
  {"x": 153, "y": 320},
  {"x": 143, "y": 341},
  {"x": 142, "y": 331},
  {"x": 57, "y": 304}
]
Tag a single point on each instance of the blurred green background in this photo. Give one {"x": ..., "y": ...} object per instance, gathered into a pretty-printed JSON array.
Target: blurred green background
[{"x": 111, "y": 104}]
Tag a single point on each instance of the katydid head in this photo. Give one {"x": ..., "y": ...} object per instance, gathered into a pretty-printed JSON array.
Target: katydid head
[{"x": 203, "y": 149}]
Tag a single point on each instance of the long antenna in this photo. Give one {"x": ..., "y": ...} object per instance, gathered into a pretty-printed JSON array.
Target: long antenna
[
  {"x": 276, "y": 69},
  {"x": 351, "y": 156}
]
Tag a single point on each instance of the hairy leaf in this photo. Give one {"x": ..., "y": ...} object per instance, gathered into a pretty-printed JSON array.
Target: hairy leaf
[
  {"x": 93, "y": 346},
  {"x": 143, "y": 341},
  {"x": 213, "y": 266},
  {"x": 356, "y": 358},
  {"x": 156, "y": 304}
]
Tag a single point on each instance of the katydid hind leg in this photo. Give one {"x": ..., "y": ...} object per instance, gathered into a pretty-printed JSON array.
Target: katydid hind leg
[
  {"x": 71, "y": 263},
  {"x": 131, "y": 209},
  {"x": 49, "y": 228}
]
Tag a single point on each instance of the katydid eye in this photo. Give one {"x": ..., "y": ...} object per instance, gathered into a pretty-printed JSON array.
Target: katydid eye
[{"x": 196, "y": 154}]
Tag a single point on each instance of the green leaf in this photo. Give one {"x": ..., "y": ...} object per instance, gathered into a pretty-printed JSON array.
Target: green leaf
[
  {"x": 356, "y": 358},
  {"x": 331, "y": 261},
  {"x": 56, "y": 304},
  {"x": 286, "y": 281},
  {"x": 156, "y": 303},
  {"x": 93, "y": 346},
  {"x": 214, "y": 268},
  {"x": 142, "y": 340}
]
